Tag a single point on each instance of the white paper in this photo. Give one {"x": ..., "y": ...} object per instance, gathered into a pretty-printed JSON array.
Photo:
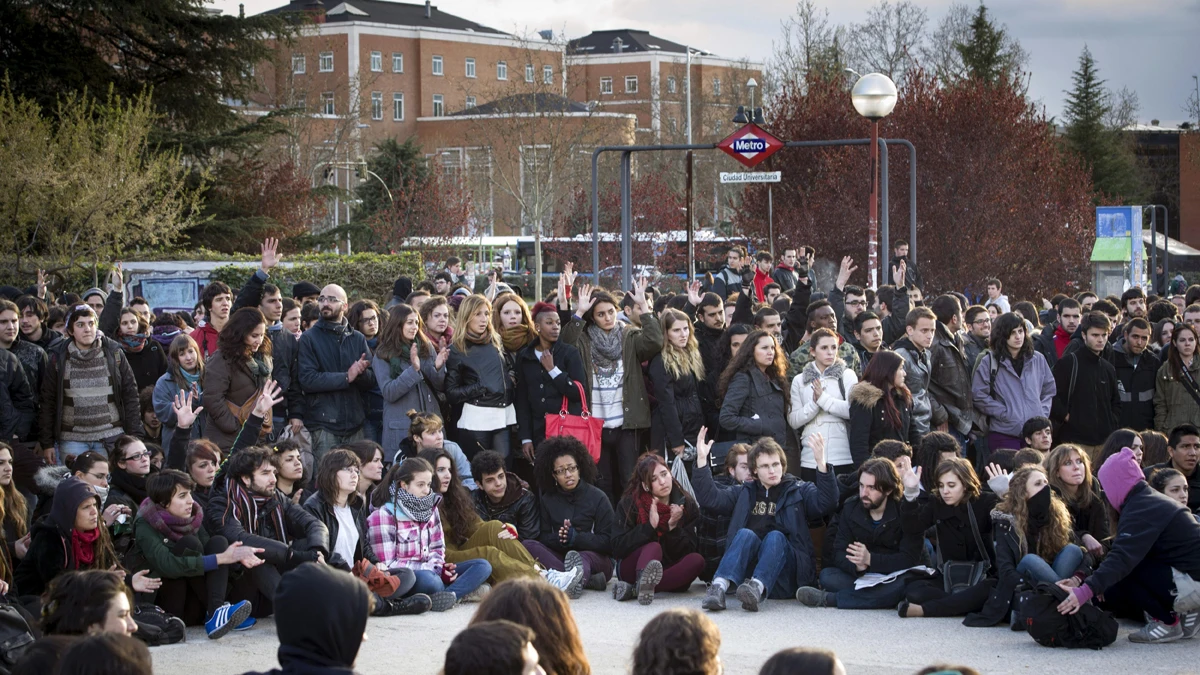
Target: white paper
[{"x": 874, "y": 579}]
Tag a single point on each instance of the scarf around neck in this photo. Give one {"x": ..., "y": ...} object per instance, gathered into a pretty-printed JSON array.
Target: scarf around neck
[
  {"x": 168, "y": 525},
  {"x": 645, "y": 501},
  {"x": 478, "y": 338},
  {"x": 83, "y": 547},
  {"x": 607, "y": 346},
  {"x": 248, "y": 506},
  {"x": 164, "y": 335},
  {"x": 134, "y": 486},
  {"x": 516, "y": 337},
  {"x": 88, "y": 354},
  {"x": 133, "y": 344},
  {"x": 420, "y": 509},
  {"x": 812, "y": 371}
]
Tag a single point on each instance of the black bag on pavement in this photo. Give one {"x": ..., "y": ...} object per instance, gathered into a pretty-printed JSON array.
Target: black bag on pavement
[
  {"x": 156, "y": 627},
  {"x": 1090, "y": 627},
  {"x": 15, "y": 637}
]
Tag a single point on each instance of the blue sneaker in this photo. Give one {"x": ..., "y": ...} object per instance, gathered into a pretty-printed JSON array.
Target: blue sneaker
[
  {"x": 226, "y": 618},
  {"x": 247, "y": 624}
]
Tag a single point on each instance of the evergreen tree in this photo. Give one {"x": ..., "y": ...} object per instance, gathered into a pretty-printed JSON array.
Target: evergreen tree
[
  {"x": 983, "y": 56},
  {"x": 1113, "y": 165},
  {"x": 399, "y": 165}
]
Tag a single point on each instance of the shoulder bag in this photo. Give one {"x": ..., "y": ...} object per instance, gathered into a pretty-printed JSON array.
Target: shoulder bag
[
  {"x": 584, "y": 426},
  {"x": 960, "y": 574}
]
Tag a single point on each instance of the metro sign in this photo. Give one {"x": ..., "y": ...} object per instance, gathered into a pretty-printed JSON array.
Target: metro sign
[{"x": 750, "y": 145}]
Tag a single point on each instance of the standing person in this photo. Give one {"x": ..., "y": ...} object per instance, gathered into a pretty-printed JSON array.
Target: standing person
[
  {"x": 18, "y": 404},
  {"x": 185, "y": 373},
  {"x": 785, "y": 273},
  {"x": 996, "y": 297},
  {"x": 920, "y": 327},
  {"x": 32, "y": 357},
  {"x": 217, "y": 299},
  {"x": 978, "y": 336},
  {"x": 146, "y": 357},
  {"x": 1176, "y": 389},
  {"x": 547, "y": 372},
  {"x": 728, "y": 279},
  {"x": 1069, "y": 471},
  {"x": 868, "y": 336},
  {"x": 754, "y": 391},
  {"x": 576, "y": 516},
  {"x": 512, "y": 321},
  {"x": 89, "y": 395},
  {"x": 900, "y": 257},
  {"x": 769, "y": 552},
  {"x": 1137, "y": 370},
  {"x": 1087, "y": 401},
  {"x": 820, "y": 406},
  {"x": 950, "y": 373},
  {"x": 34, "y": 326},
  {"x": 613, "y": 354},
  {"x": 819, "y": 314},
  {"x": 1183, "y": 452},
  {"x": 409, "y": 371},
  {"x": 1053, "y": 340},
  {"x": 436, "y": 320},
  {"x": 764, "y": 264},
  {"x": 236, "y": 375},
  {"x": 1012, "y": 383},
  {"x": 880, "y": 407},
  {"x": 847, "y": 301},
  {"x": 677, "y": 374},
  {"x": 283, "y": 330},
  {"x": 655, "y": 536},
  {"x": 334, "y": 375},
  {"x": 479, "y": 376},
  {"x": 366, "y": 317}
]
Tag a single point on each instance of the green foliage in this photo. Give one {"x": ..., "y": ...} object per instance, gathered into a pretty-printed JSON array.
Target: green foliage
[
  {"x": 399, "y": 165},
  {"x": 1112, "y": 163},
  {"x": 364, "y": 275},
  {"x": 983, "y": 56}
]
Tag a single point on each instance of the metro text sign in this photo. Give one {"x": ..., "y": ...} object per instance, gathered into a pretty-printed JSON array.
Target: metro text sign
[{"x": 750, "y": 145}]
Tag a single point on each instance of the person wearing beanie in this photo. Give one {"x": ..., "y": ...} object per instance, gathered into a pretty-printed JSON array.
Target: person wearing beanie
[
  {"x": 548, "y": 371},
  {"x": 95, "y": 298},
  {"x": 400, "y": 292},
  {"x": 305, "y": 291},
  {"x": 1154, "y": 564}
]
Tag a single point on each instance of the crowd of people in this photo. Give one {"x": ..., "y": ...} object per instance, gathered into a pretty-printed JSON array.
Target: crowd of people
[{"x": 848, "y": 448}]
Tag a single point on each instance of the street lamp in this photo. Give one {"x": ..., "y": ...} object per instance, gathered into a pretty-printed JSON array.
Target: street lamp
[{"x": 874, "y": 97}]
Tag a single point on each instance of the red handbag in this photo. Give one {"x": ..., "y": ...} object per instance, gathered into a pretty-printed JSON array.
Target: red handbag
[{"x": 583, "y": 427}]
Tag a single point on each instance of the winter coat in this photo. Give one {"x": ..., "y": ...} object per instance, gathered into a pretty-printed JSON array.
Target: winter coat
[
  {"x": 1135, "y": 386},
  {"x": 827, "y": 415},
  {"x": 322, "y": 510},
  {"x": 125, "y": 392},
  {"x": 50, "y": 551},
  {"x": 912, "y": 275},
  {"x": 1043, "y": 343},
  {"x": 399, "y": 541},
  {"x": 285, "y": 356},
  {"x": 955, "y": 540},
  {"x": 1092, "y": 519},
  {"x": 784, "y": 276},
  {"x": 410, "y": 390},
  {"x": 18, "y": 406},
  {"x": 950, "y": 381},
  {"x": 225, "y": 383},
  {"x": 34, "y": 360},
  {"x": 629, "y": 535},
  {"x": 164, "y": 409},
  {"x": 869, "y": 422},
  {"x": 538, "y": 394},
  {"x": 754, "y": 406},
  {"x": 1013, "y": 399},
  {"x": 1086, "y": 392},
  {"x": 1193, "y": 482},
  {"x": 206, "y": 338},
  {"x": 331, "y": 401},
  {"x": 678, "y": 411},
  {"x": 892, "y": 547},
  {"x": 1173, "y": 405},
  {"x": 800, "y": 503},
  {"x": 591, "y": 516},
  {"x": 917, "y": 368},
  {"x": 519, "y": 508},
  {"x": 305, "y": 534},
  {"x": 712, "y": 526},
  {"x": 483, "y": 377},
  {"x": 973, "y": 347},
  {"x": 148, "y": 364},
  {"x": 160, "y": 558},
  {"x": 641, "y": 344},
  {"x": 895, "y": 323},
  {"x": 726, "y": 282}
]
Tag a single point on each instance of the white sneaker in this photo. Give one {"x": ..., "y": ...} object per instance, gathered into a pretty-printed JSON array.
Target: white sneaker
[{"x": 569, "y": 582}]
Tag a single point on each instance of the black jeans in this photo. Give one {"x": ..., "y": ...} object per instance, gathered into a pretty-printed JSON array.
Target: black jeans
[
  {"x": 194, "y": 599},
  {"x": 931, "y": 595},
  {"x": 1148, "y": 588},
  {"x": 474, "y": 442},
  {"x": 618, "y": 458},
  {"x": 258, "y": 586}
]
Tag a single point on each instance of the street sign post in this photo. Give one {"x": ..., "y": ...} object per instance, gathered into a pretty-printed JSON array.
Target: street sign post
[
  {"x": 751, "y": 177},
  {"x": 750, "y": 145}
]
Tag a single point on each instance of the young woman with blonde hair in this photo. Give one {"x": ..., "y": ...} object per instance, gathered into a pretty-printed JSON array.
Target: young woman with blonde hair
[
  {"x": 479, "y": 376},
  {"x": 676, "y": 374}
]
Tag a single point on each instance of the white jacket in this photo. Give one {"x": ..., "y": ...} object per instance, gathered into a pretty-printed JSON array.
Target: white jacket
[{"x": 827, "y": 416}]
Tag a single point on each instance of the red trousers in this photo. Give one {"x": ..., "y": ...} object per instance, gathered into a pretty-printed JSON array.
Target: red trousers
[{"x": 677, "y": 577}]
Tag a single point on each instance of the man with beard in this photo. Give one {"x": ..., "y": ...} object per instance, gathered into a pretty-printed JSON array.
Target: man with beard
[
  {"x": 246, "y": 507},
  {"x": 1137, "y": 368},
  {"x": 870, "y": 539},
  {"x": 979, "y": 333},
  {"x": 847, "y": 301},
  {"x": 334, "y": 375},
  {"x": 1133, "y": 306}
]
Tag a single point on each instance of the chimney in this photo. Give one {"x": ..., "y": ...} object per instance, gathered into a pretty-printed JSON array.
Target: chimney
[
  {"x": 317, "y": 10},
  {"x": 618, "y": 45},
  {"x": 428, "y": 10}
]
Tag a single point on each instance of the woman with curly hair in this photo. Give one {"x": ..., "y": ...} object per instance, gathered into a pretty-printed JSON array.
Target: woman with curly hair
[
  {"x": 577, "y": 517},
  {"x": 655, "y": 536},
  {"x": 544, "y": 609},
  {"x": 235, "y": 375},
  {"x": 678, "y": 642},
  {"x": 754, "y": 391}
]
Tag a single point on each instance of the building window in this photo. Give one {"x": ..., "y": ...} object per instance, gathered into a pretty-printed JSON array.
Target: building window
[
  {"x": 529, "y": 72},
  {"x": 672, "y": 124},
  {"x": 631, "y": 84},
  {"x": 298, "y": 64},
  {"x": 470, "y": 67},
  {"x": 376, "y": 62},
  {"x": 671, "y": 84},
  {"x": 302, "y": 103},
  {"x": 547, "y": 74},
  {"x": 377, "y": 105},
  {"x": 501, "y": 70},
  {"x": 717, "y": 86},
  {"x": 470, "y": 102},
  {"x": 606, "y": 85},
  {"x": 327, "y": 103},
  {"x": 397, "y": 62},
  {"x": 439, "y": 105},
  {"x": 397, "y": 107},
  {"x": 437, "y": 65},
  {"x": 326, "y": 64}
]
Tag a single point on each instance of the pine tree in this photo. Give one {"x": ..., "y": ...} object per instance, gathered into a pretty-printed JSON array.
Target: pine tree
[
  {"x": 984, "y": 56},
  {"x": 1113, "y": 166}
]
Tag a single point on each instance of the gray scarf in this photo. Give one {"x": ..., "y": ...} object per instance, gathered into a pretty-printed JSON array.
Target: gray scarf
[
  {"x": 420, "y": 508},
  {"x": 812, "y": 372},
  {"x": 607, "y": 347}
]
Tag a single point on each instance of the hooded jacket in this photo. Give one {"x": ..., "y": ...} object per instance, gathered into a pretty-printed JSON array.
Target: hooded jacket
[
  {"x": 519, "y": 508},
  {"x": 50, "y": 542},
  {"x": 869, "y": 422},
  {"x": 331, "y": 402},
  {"x": 1135, "y": 386},
  {"x": 1086, "y": 393},
  {"x": 1014, "y": 399},
  {"x": 918, "y": 366}
]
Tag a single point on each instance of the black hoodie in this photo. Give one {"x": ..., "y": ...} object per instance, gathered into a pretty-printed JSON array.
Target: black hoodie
[
  {"x": 762, "y": 514},
  {"x": 50, "y": 544}
]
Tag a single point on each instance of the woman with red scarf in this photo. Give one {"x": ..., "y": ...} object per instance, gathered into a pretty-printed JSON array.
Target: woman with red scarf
[{"x": 656, "y": 538}]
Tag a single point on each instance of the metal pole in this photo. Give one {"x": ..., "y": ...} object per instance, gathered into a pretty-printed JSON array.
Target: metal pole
[
  {"x": 1154, "y": 250},
  {"x": 687, "y": 85},
  {"x": 596, "y": 217},
  {"x": 873, "y": 211},
  {"x": 691, "y": 233},
  {"x": 1166, "y": 242},
  {"x": 771, "y": 220},
  {"x": 626, "y": 223},
  {"x": 883, "y": 189}
]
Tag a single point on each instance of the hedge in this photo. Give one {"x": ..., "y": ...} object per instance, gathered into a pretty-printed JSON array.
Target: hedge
[{"x": 363, "y": 275}]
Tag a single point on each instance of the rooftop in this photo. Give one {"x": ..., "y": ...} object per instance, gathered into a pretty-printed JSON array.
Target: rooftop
[
  {"x": 383, "y": 11},
  {"x": 626, "y": 41}
]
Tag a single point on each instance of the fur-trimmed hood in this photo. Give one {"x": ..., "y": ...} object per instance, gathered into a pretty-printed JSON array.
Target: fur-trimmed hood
[
  {"x": 1004, "y": 517},
  {"x": 865, "y": 394},
  {"x": 47, "y": 478}
]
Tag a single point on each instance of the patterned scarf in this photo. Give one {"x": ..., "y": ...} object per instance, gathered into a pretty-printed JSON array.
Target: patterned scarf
[
  {"x": 168, "y": 525},
  {"x": 420, "y": 508},
  {"x": 247, "y": 506},
  {"x": 132, "y": 344},
  {"x": 607, "y": 347}
]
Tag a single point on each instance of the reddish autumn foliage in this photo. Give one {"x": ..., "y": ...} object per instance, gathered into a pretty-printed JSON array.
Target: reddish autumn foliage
[
  {"x": 430, "y": 209},
  {"x": 997, "y": 194},
  {"x": 253, "y": 198}
]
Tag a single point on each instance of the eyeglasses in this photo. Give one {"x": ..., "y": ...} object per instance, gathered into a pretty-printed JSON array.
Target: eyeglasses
[
  {"x": 331, "y": 299},
  {"x": 857, "y": 303},
  {"x": 980, "y": 322},
  {"x": 136, "y": 456},
  {"x": 369, "y": 319},
  {"x": 566, "y": 471}
]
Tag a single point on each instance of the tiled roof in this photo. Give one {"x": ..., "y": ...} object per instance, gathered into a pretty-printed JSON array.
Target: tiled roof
[
  {"x": 381, "y": 11},
  {"x": 602, "y": 42}
]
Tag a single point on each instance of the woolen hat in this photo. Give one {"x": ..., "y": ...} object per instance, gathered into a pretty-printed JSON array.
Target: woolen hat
[
  {"x": 1118, "y": 475},
  {"x": 304, "y": 289},
  {"x": 94, "y": 291}
]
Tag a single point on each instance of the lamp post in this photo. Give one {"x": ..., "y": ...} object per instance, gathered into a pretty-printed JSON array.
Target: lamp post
[{"x": 874, "y": 97}]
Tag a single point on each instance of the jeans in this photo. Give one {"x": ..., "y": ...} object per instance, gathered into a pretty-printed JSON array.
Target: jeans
[
  {"x": 471, "y": 574},
  {"x": 772, "y": 557},
  {"x": 473, "y": 442},
  {"x": 882, "y": 596},
  {"x": 1035, "y": 568},
  {"x": 323, "y": 441},
  {"x": 77, "y": 448}
]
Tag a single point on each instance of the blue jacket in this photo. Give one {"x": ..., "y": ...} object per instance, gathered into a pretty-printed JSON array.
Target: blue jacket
[
  {"x": 801, "y": 502},
  {"x": 1013, "y": 399},
  {"x": 331, "y": 402}
]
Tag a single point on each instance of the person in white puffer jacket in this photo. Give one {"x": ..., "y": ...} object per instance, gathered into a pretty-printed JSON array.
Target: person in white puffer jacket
[{"x": 819, "y": 404}]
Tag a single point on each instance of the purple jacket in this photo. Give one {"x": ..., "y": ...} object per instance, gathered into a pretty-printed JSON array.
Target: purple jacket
[{"x": 1014, "y": 399}]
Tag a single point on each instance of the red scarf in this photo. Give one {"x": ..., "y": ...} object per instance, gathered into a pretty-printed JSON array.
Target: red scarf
[
  {"x": 83, "y": 547},
  {"x": 644, "y": 500}
]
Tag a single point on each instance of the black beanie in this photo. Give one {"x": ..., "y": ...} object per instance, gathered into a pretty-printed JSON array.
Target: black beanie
[{"x": 402, "y": 288}]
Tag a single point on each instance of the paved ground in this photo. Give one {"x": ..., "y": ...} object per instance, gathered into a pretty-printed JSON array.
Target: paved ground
[{"x": 875, "y": 642}]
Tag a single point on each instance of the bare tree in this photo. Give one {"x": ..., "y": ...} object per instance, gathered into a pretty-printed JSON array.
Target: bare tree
[
  {"x": 1192, "y": 106},
  {"x": 1123, "y": 108},
  {"x": 890, "y": 40},
  {"x": 808, "y": 39}
]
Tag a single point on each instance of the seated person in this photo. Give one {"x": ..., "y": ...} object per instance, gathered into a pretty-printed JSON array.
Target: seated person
[
  {"x": 503, "y": 496},
  {"x": 712, "y": 526},
  {"x": 769, "y": 552},
  {"x": 88, "y": 602},
  {"x": 427, "y": 430},
  {"x": 870, "y": 539},
  {"x": 1069, "y": 470}
]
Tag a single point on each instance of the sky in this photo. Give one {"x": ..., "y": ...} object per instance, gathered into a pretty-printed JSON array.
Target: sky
[{"x": 1149, "y": 46}]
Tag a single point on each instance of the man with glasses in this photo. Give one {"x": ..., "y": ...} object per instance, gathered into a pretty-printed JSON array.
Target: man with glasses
[
  {"x": 1053, "y": 340},
  {"x": 979, "y": 331},
  {"x": 847, "y": 301},
  {"x": 1183, "y": 448},
  {"x": 334, "y": 374}
]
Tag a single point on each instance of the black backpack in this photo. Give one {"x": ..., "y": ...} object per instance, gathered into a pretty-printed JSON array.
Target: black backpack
[
  {"x": 15, "y": 637},
  {"x": 156, "y": 627},
  {"x": 1090, "y": 627}
]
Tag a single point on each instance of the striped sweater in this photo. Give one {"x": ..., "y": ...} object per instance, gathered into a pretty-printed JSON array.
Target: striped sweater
[{"x": 89, "y": 406}]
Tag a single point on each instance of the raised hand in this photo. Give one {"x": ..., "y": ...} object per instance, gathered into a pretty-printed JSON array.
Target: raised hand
[
  {"x": 584, "y": 303},
  {"x": 639, "y": 295},
  {"x": 185, "y": 416},
  {"x": 41, "y": 284},
  {"x": 818, "y": 447},
  {"x": 569, "y": 273},
  {"x": 703, "y": 447},
  {"x": 270, "y": 254},
  {"x": 992, "y": 470},
  {"x": 693, "y": 293},
  {"x": 911, "y": 478},
  {"x": 414, "y": 357},
  {"x": 116, "y": 278},
  {"x": 848, "y": 267},
  {"x": 270, "y": 397}
]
